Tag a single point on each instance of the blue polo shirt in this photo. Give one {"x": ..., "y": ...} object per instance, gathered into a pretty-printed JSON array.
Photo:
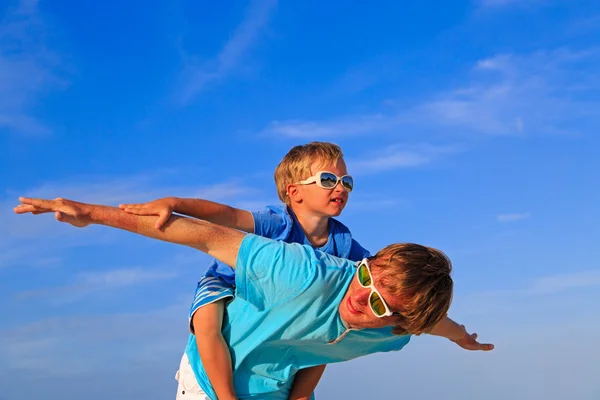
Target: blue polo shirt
[{"x": 284, "y": 317}]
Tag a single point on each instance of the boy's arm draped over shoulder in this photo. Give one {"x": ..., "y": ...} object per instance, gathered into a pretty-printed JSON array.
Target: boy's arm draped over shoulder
[
  {"x": 218, "y": 241},
  {"x": 210, "y": 211}
]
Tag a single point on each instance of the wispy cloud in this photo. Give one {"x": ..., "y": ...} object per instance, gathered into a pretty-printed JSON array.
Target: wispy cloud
[
  {"x": 347, "y": 126},
  {"x": 540, "y": 93},
  {"x": 550, "y": 284},
  {"x": 18, "y": 232},
  {"x": 564, "y": 282},
  {"x": 110, "y": 191},
  {"x": 88, "y": 283},
  {"x": 397, "y": 156},
  {"x": 58, "y": 351},
  {"x": 197, "y": 74},
  {"x": 512, "y": 217},
  {"x": 502, "y": 3},
  {"x": 28, "y": 68},
  {"x": 546, "y": 92}
]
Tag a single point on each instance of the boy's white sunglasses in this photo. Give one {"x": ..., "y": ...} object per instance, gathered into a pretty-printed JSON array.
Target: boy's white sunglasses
[
  {"x": 329, "y": 180},
  {"x": 376, "y": 302}
]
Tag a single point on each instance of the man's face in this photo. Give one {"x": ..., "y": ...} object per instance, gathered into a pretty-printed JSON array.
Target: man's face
[
  {"x": 355, "y": 310},
  {"x": 325, "y": 202}
]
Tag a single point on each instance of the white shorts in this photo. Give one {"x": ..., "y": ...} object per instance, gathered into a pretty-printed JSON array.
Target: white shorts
[{"x": 188, "y": 387}]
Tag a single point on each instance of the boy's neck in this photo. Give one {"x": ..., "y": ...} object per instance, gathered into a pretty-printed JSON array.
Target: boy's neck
[{"x": 315, "y": 227}]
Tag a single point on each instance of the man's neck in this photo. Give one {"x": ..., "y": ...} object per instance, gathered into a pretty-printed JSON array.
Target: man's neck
[{"x": 315, "y": 227}]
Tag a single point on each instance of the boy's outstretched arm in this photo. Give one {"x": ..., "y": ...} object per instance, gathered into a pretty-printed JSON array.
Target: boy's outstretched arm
[
  {"x": 458, "y": 334},
  {"x": 218, "y": 241},
  {"x": 217, "y": 213},
  {"x": 305, "y": 382}
]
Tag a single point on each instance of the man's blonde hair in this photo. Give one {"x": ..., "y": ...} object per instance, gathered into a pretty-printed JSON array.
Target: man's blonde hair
[
  {"x": 295, "y": 165},
  {"x": 420, "y": 277}
]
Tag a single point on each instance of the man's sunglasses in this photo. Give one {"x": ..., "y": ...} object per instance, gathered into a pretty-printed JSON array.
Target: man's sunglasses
[
  {"x": 376, "y": 302},
  {"x": 329, "y": 180}
]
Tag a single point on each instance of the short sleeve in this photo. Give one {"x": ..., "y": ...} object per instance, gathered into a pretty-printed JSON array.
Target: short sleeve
[
  {"x": 269, "y": 272},
  {"x": 357, "y": 252},
  {"x": 273, "y": 222}
]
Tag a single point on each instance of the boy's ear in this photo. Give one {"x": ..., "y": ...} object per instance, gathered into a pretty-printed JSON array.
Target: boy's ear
[{"x": 293, "y": 193}]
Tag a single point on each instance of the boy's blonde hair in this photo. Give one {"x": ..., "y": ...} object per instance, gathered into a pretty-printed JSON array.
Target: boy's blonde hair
[
  {"x": 420, "y": 276},
  {"x": 295, "y": 165}
]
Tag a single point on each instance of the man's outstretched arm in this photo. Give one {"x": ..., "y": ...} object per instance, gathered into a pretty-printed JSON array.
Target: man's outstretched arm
[
  {"x": 458, "y": 334},
  {"x": 218, "y": 241}
]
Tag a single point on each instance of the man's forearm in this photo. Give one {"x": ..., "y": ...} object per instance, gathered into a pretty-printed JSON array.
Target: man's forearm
[
  {"x": 218, "y": 241},
  {"x": 449, "y": 329}
]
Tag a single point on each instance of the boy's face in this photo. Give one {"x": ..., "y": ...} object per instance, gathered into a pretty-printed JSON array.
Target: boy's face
[
  {"x": 324, "y": 202},
  {"x": 354, "y": 308}
]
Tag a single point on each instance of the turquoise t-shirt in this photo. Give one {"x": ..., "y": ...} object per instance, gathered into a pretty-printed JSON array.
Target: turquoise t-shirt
[{"x": 285, "y": 317}]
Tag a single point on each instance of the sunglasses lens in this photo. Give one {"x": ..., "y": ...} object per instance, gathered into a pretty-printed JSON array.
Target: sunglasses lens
[
  {"x": 348, "y": 183},
  {"x": 328, "y": 180},
  {"x": 364, "y": 277},
  {"x": 376, "y": 304}
]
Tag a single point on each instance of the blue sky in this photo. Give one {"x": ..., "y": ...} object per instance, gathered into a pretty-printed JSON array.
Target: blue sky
[{"x": 468, "y": 125}]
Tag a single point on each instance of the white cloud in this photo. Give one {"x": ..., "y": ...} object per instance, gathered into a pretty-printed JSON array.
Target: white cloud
[
  {"x": 546, "y": 285},
  {"x": 29, "y": 239},
  {"x": 110, "y": 341},
  {"x": 546, "y": 92},
  {"x": 537, "y": 93},
  {"x": 196, "y": 75},
  {"x": 348, "y": 126},
  {"x": 397, "y": 156},
  {"x": 502, "y": 3},
  {"x": 88, "y": 283},
  {"x": 512, "y": 217},
  {"x": 28, "y": 68},
  {"x": 565, "y": 282}
]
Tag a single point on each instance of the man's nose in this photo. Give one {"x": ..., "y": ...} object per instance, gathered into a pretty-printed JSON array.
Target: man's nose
[{"x": 361, "y": 296}]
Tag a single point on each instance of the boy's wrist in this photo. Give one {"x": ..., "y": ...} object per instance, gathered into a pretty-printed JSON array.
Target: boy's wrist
[{"x": 174, "y": 203}]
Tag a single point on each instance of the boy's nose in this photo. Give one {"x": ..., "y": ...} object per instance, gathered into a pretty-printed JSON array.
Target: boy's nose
[{"x": 338, "y": 187}]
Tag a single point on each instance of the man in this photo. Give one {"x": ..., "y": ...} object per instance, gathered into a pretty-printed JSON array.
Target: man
[{"x": 296, "y": 307}]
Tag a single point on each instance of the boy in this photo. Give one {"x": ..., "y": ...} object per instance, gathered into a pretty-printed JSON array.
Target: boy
[{"x": 313, "y": 182}]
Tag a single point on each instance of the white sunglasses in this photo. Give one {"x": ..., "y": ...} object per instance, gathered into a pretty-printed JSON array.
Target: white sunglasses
[
  {"x": 376, "y": 302},
  {"x": 329, "y": 180}
]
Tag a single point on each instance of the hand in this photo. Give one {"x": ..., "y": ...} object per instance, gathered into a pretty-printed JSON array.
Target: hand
[
  {"x": 469, "y": 342},
  {"x": 68, "y": 211},
  {"x": 162, "y": 207}
]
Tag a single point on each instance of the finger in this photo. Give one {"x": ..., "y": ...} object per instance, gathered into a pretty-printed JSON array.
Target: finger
[
  {"x": 162, "y": 219},
  {"x": 133, "y": 205},
  {"x": 23, "y": 208},
  {"x": 138, "y": 211},
  {"x": 487, "y": 347},
  {"x": 41, "y": 203},
  {"x": 26, "y": 208}
]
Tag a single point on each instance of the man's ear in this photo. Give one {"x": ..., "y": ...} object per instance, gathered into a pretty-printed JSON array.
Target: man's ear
[{"x": 294, "y": 193}]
